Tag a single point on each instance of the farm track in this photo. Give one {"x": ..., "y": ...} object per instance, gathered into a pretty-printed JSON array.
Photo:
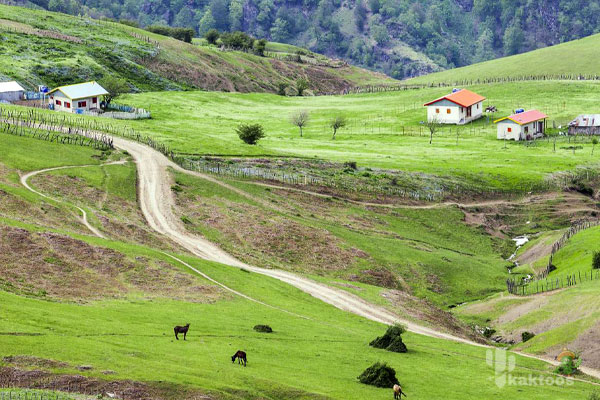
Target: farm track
[{"x": 157, "y": 204}]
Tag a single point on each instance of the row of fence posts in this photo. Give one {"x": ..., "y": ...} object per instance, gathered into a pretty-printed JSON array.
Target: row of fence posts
[{"x": 548, "y": 285}]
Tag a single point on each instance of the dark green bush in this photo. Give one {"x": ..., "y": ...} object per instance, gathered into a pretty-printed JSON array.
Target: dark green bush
[
  {"x": 527, "y": 335},
  {"x": 568, "y": 366},
  {"x": 183, "y": 34},
  {"x": 237, "y": 40},
  {"x": 212, "y": 36},
  {"x": 596, "y": 260},
  {"x": 250, "y": 133},
  {"x": 380, "y": 375},
  {"x": 391, "y": 340},
  {"x": 281, "y": 87},
  {"x": 263, "y": 328}
]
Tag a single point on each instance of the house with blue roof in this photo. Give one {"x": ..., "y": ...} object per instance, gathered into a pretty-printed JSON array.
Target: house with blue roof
[{"x": 77, "y": 98}]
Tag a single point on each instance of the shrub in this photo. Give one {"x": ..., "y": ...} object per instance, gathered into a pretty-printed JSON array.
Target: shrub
[
  {"x": 596, "y": 260},
  {"x": 183, "y": 34},
  {"x": 488, "y": 332},
  {"x": 594, "y": 396},
  {"x": 212, "y": 36},
  {"x": 301, "y": 86},
  {"x": 263, "y": 328},
  {"x": 259, "y": 47},
  {"x": 391, "y": 340},
  {"x": 281, "y": 87},
  {"x": 379, "y": 375},
  {"x": 129, "y": 22},
  {"x": 250, "y": 133},
  {"x": 527, "y": 335},
  {"x": 351, "y": 164},
  {"x": 568, "y": 366},
  {"x": 237, "y": 40}
]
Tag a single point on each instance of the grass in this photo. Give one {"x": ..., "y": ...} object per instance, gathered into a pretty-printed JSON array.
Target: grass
[
  {"x": 431, "y": 251},
  {"x": 576, "y": 256},
  {"x": 570, "y": 58},
  {"x": 374, "y": 136}
]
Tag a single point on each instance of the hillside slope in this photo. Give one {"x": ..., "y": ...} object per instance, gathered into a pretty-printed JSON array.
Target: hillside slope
[
  {"x": 570, "y": 59},
  {"x": 40, "y": 47}
]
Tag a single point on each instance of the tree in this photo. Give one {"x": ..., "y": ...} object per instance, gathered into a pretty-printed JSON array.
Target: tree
[
  {"x": 280, "y": 31},
  {"x": 433, "y": 124},
  {"x": 301, "y": 86},
  {"x": 337, "y": 122},
  {"x": 207, "y": 22},
  {"x": 513, "y": 40},
  {"x": 259, "y": 47},
  {"x": 250, "y": 133},
  {"x": 594, "y": 143},
  {"x": 212, "y": 36},
  {"x": 236, "y": 15},
  {"x": 115, "y": 87},
  {"x": 300, "y": 119},
  {"x": 596, "y": 260},
  {"x": 281, "y": 87}
]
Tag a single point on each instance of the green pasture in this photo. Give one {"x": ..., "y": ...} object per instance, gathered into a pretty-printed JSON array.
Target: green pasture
[
  {"x": 571, "y": 58},
  {"x": 383, "y": 130}
]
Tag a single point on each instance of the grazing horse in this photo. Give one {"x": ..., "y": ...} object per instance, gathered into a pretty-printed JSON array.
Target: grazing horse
[
  {"x": 241, "y": 356},
  {"x": 398, "y": 392},
  {"x": 181, "y": 329}
]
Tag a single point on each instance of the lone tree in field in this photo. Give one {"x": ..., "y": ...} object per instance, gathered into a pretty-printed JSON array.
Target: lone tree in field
[
  {"x": 433, "y": 124},
  {"x": 301, "y": 86},
  {"x": 250, "y": 133},
  {"x": 115, "y": 87},
  {"x": 212, "y": 36},
  {"x": 336, "y": 123},
  {"x": 300, "y": 119}
]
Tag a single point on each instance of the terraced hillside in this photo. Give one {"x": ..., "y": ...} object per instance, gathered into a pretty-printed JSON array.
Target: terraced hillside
[{"x": 40, "y": 47}]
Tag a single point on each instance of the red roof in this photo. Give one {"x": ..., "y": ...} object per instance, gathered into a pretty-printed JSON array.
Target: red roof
[
  {"x": 462, "y": 97},
  {"x": 525, "y": 117}
]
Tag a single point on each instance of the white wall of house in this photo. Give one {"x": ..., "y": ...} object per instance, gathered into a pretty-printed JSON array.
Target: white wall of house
[
  {"x": 63, "y": 103},
  {"x": 510, "y": 130},
  {"x": 451, "y": 113}
]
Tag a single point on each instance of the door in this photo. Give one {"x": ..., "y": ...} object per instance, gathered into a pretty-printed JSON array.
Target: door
[{"x": 468, "y": 111}]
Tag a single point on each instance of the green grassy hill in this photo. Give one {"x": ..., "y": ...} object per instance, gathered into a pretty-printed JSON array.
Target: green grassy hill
[
  {"x": 571, "y": 59},
  {"x": 41, "y": 47},
  {"x": 89, "y": 310}
]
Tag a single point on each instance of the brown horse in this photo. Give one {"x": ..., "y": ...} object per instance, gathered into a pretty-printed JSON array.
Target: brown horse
[
  {"x": 241, "y": 356},
  {"x": 398, "y": 392},
  {"x": 181, "y": 329}
]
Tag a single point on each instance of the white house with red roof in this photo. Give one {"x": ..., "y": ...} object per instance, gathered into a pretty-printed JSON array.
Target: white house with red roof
[
  {"x": 459, "y": 107},
  {"x": 524, "y": 125},
  {"x": 77, "y": 98}
]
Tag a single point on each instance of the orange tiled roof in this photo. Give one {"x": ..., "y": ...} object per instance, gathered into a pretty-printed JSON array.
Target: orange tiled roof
[
  {"x": 462, "y": 97},
  {"x": 525, "y": 117}
]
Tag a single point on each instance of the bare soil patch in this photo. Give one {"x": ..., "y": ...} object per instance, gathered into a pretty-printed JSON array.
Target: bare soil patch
[
  {"x": 58, "y": 266},
  {"x": 121, "y": 389}
]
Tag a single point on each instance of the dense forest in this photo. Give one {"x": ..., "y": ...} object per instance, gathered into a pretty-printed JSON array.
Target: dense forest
[{"x": 402, "y": 38}]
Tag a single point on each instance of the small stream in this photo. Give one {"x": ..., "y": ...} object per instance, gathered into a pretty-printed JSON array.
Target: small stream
[{"x": 519, "y": 242}]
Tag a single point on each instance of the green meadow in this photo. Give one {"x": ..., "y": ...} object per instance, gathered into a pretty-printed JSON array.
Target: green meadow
[{"x": 384, "y": 130}]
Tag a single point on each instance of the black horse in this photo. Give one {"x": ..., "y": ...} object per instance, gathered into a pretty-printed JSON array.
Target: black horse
[
  {"x": 241, "y": 356},
  {"x": 181, "y": 329}
]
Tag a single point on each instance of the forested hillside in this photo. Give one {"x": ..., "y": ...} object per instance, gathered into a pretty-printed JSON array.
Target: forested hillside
[{"x": 400, "y": 37}]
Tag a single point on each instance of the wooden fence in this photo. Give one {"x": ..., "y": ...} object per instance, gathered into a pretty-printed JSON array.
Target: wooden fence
[{"x": 541, "y": 282}]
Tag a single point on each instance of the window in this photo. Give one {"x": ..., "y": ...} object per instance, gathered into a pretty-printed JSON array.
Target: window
[
  {"x": 437, "y": 110},
  {"x": 448, "y": 111},
  {"x": 509, "y": 130},
  {"x": 67, "y": 105},
  {"x": 478, "y": 106},
  {"x": 81, "y": 104},
  {"x": 58, "y": 102},
  {"x": 95, "y": 100},
  {"x": 526, "y": 129}
]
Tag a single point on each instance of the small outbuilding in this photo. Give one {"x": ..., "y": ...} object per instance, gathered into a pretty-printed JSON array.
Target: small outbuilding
[
  {"x": 459, "y": 107},
  {"x": 523, "y": 125},
  {"x": 11, "y": 91},
  {"x": 77, "y": 98},
  {"x": 585, "y": 124}
]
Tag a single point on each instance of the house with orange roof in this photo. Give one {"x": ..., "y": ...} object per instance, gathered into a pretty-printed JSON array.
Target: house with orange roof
[
  {"x": 523, "y": 125},
  {"x": 459, "y": 107}
]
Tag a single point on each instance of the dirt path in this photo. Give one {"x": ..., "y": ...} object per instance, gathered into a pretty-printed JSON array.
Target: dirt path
[{"x": 84, "y": 219}]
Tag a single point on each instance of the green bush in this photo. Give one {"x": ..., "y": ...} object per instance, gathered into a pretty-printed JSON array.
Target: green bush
[
  {"x": 212, "y": 36},
  {"x": 596, "y": 260},
  {"x": 379, "y": 375},
  {"x": 183, "y": 34},
  {"x": 250, "y": 133},
  {"x": 391, "y": 340},
  {"x": 237, "y": 40},
  {"x": 527, "y": 335},
  {"x": 568, "y": 366},
  {"x": 263, "y": 328}
]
